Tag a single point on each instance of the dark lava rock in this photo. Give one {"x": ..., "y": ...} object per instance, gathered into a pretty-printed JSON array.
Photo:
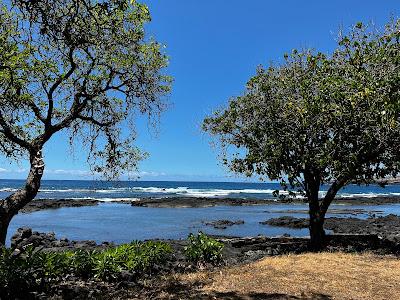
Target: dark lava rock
[
  {"x": 25, "y": 232},
  {"x": 287, "y": 221},
  {"x": 41, "y": 204},
  {"x": 223, "y": 224},
  {"x": 24, "y": 236},
  {"x": 382, "y": 226},
  {"x": 180, "y": 202},
  {"x": 367, "y": 200},
  {"x": 48, "y": 242}
]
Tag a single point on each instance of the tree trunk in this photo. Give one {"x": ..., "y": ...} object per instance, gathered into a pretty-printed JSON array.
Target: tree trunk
[
  {"x": 10, "y": 206},
  {"x": 4, "y": 222},
  {"x": 317, "y": 232},
  {"x": 317, "y": 216}
]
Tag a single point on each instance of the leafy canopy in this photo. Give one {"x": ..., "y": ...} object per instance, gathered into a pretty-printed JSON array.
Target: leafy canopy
[
  {"x": 82, "y": 66},
  {"x": 333, "y": 118}
]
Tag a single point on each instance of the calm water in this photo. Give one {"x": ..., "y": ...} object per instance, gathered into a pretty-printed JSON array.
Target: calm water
[{"x": 123, "y": 223}]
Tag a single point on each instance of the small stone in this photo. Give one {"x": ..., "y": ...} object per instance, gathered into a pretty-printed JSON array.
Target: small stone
[
  {"x": 25, "y": 232},
  {"x": 16, "y": 252}
]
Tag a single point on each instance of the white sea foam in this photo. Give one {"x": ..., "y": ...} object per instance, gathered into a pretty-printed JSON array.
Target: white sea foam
[
  {"x": 66, "y": 190},
  {"x": 116, "y": 199},
  {"x": 8, "y": 190},
  {"x": 185, "y": 191},
  {"x": 180, "y": 191},
  {"x": 365, "y": 195}
]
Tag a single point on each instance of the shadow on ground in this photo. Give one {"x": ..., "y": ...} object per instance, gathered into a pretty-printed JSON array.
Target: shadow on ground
[
  {"x": 179, "y": 290},
  {"x": 162, "y": 289}
]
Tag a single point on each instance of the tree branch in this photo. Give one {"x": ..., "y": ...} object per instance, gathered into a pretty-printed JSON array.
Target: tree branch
[
  {"x": 6, "y": 130},
  {"x": 37, "y": 112},
  {"x": 95, "y": 122},
  {"x": 57, "y": 84},
  {"x": 330, "y": 195}
]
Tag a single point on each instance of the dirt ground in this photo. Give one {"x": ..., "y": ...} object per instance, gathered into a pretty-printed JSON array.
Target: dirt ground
[{"x": 304, "y": 276}]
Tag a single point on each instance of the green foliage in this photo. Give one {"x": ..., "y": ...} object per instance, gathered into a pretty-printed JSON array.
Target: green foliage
[
  {"x": 319, "y": 119},
  {"x": 106, "y": 266},
  {"x": 53, "y": 265},
  {"x": 337, "y": 115},
  {"x": 30, "y": 271},
  {"x": 83, "y": 263},
  {"x": 82, "y": 66},
  {"x": 203, "y": 249},
  {"x": 19, "y": 272},
  {"x": 137, "y": 257}
]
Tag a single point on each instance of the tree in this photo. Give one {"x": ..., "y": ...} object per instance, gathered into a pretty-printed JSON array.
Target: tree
[
  {"x": 82, "y": 67},
  {"x": 319, "y": 119}
]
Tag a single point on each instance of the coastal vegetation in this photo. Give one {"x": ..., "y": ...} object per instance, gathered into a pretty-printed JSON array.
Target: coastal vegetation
[
  {"x": 203, "y": 249},
  {"x": 80, "y": 67},
  {"x": 86, "y": 69},
  {"x": 30, "y": 269},
  {"x": 25, "y": 271},
  {"x": 319, "y": 119},
  {"x": 258, "y": 267}
]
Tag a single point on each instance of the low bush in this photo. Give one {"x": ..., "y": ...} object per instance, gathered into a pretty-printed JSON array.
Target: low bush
[
  {"x": 29, "y": 270},
  {"x": 136, "y": 257},
  {"x": 16, "y": 273},
  {"x": 203, "y": 249},
  {"x": 83, "y": 263}
]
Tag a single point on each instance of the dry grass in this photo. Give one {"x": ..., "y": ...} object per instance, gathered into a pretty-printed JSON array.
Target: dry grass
[{"x": 307, "y": 276}]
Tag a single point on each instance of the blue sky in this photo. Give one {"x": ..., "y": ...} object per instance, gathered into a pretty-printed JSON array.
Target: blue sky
[{"x": 214, "y": 48}]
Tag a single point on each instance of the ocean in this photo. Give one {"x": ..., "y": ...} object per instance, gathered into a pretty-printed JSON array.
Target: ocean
[
  {"x": 126, "y": 190},
  {"x": 123, "y": 223}
]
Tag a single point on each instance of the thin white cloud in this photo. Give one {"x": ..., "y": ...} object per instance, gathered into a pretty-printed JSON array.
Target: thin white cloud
[
  {"x": 67, "y": 172},
  {"x": 77, "y": 173},
  {"x": 145, "y": 173},
  {"x": 154, "y": 174},
  {"x": 86, "y": 173}
]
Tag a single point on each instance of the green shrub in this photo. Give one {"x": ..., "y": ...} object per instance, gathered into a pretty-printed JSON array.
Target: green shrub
[
  {"x": 21, "y": 273},
  {"x": 53, "y": 265},
  {"x": 106, "y": 266},
  {"x": 136, "y": 257},
  {"x": 82, "y": 263},
  {"x": 203, "y": 249},
  {"x": 148, "y": 254}
]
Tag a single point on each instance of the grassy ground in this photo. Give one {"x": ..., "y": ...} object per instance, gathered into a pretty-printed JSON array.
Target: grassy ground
[{"x": 306, "y": 276}]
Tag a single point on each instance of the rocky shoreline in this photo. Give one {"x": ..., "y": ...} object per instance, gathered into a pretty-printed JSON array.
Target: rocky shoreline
[
  {"x": 237, "y": 251},
  {"x": 42, "y": 204},
  {"x": 200, "y": 202},
  {"x": 47, "y": 241},
  {"x": 383, "y": 226},
  {"x": 196, "y": 202}
]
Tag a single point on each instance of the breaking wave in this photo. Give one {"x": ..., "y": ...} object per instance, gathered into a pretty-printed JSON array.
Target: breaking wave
[{"x": 128, "y": 193}]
